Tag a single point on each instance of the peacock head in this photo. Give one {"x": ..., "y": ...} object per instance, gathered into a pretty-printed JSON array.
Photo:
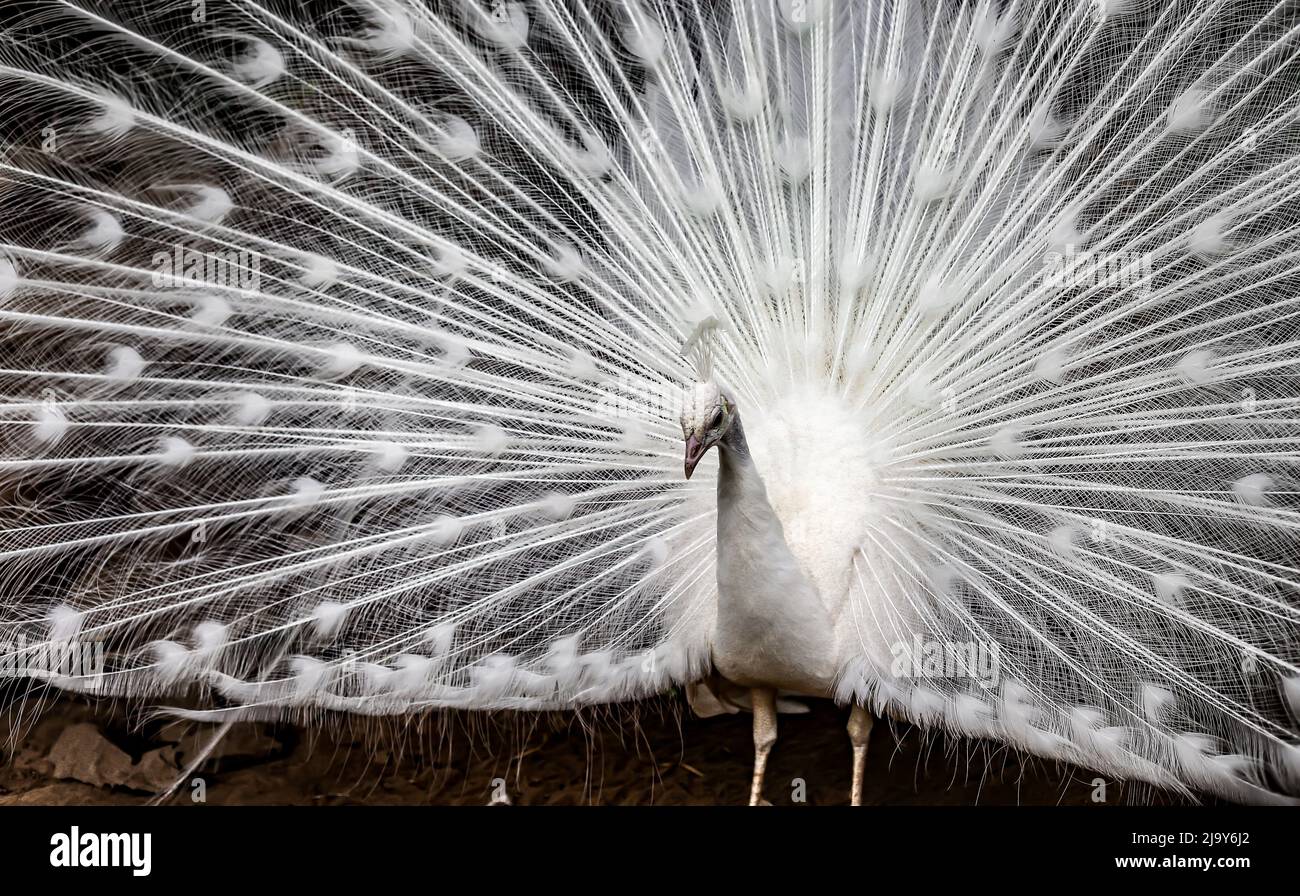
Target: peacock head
[{"x": 706, "y": 418}]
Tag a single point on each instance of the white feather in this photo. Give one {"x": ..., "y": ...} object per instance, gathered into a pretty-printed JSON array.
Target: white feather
[
  {"x": 1154, "y": 701},
  {"x": 124, "y": 363},
  {"x": 456, "y": 139},
  {"x": 51, "y": 423},
  {"x": 64, "y": 623},
  {"x": 341, "y": 359},
  {"x": 103, "y": 235},
  {"x": 258, "y": 64},
  {"x": 328, "y": 617},
  {"x": 306, "y": 493},
  {"x": 251, "y": 408},
  {"x": 505, "y": 24},
  {"x": 390, "y": 456},
  {"x": 1197, "y": 367},
  {"x": 1189, "y": 111},
  {"x": 115, "y": 119},
  {"x": 208, "y": 203},
  {"x": 1051, "y": 364},
  {"x": 391, "y": 31},
  {"x": 211, "y": 311},
  {"x": 1253, "y": 489},
  {"x": 175, "y": 452},
  {"x": 9, "y": 278},
  {"x": 317, "y": 271},
  {"x": 1209, "y": 236}
]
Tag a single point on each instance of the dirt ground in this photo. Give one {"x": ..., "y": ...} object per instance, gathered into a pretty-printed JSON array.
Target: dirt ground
[{"x": 650, "y": 753}]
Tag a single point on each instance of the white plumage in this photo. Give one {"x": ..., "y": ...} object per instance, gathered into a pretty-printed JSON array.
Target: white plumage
[{"x": 1005, "y": 293}]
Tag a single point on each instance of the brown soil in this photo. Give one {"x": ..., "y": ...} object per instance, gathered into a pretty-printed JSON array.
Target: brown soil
[{"x": 76, "y": 753}]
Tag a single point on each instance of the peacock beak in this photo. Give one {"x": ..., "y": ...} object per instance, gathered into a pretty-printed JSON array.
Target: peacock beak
[{"x": 695, "y": 449}]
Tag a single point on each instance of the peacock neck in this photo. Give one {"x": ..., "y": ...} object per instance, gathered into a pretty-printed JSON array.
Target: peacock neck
[
  {"x": 742, "y": 496},
  {"x": 735, "y": 463}
]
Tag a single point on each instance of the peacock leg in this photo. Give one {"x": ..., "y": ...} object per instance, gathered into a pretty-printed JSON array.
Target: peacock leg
[
  {"x": 764, "y": 704},
  {"x": 860, "y": 722}
]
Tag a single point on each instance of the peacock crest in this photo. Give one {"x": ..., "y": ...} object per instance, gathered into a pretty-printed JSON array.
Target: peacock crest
[{"x": 701, "y": 347}]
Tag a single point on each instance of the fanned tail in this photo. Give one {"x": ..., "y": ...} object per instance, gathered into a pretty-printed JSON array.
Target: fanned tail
[{"x": 342, "y": 354}]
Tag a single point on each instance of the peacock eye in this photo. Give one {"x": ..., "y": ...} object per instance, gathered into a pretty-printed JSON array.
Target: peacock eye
[{"x": 717, "y": 419}]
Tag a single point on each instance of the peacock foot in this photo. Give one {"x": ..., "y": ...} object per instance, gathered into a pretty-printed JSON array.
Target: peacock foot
[{"x": 764, "y": 706}]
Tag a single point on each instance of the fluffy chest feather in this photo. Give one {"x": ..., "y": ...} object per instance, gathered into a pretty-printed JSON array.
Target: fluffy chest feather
[{"x": 786, "y": 551}]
